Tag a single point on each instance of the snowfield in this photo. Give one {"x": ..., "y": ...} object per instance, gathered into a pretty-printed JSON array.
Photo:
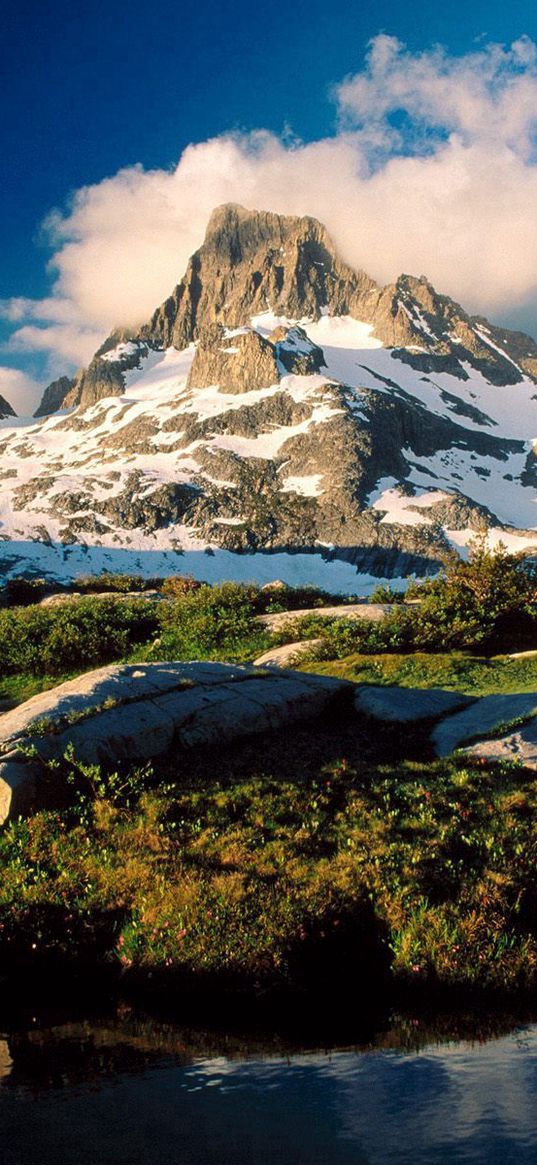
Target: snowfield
[{"x": 65, "y": 451}]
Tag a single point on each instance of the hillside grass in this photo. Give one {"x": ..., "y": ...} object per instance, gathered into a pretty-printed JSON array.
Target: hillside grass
[
  {"x": 314, "y": 862},
  {"x": 454, "y": 671},
  {"x": 335, "y": 856}
]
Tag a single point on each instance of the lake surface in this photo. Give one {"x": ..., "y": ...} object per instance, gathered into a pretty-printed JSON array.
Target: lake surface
[{"x": 124, "y": 1090}]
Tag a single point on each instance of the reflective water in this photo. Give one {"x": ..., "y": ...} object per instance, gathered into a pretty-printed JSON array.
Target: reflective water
[{"x": 123, "y": 1091}]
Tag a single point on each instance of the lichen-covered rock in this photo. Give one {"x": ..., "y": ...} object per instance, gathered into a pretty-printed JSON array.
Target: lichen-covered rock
[{"x": 519, "y": 746}]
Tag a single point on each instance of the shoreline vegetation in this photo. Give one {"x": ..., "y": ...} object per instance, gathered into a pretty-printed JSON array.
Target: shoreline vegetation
[{"x": 342, "y": 861}]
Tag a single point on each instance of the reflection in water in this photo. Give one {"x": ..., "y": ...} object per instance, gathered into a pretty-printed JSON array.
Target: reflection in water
[
  {"x": 6, "y": 1063},
  {"x": 132, "y": 1092}
]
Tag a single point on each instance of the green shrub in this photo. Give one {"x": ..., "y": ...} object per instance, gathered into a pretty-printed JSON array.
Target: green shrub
[
  {"x": 73, "y": 636},
  {"x": 485, "y": 604},
  {"x": 118, "y": 583},
  {"x": 384, "y": 594},
  {"x": 210, "y": 623}
]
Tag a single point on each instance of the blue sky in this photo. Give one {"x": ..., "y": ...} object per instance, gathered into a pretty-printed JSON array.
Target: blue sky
[{"x": 88, "y": 91}]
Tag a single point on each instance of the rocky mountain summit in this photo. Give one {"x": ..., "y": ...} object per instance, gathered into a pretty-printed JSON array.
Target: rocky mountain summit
[{"x": 282, "y": 415}]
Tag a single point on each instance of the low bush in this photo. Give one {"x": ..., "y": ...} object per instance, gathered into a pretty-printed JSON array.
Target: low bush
[
  {"x": 115, "y": 583},
  {"x": 211, "y": 623},
  {"x": 74, "y": 636},
  {"x": 487, "y": 604},
  {"x": 177, "y": 585}
]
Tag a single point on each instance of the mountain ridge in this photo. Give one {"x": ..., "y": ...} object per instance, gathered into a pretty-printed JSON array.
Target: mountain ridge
[
  {"x": 253, "y": 240},
  {"x": 280, "y": 403}
]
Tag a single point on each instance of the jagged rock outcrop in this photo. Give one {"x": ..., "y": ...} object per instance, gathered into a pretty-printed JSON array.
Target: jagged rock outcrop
[
  {"x": 248, "y": 262},
  {"x": 296, "y": 352},
  {"x": 54, "y": 397},
  {"x": 241, "y": 363},
  {"x": 5, "y": 409},
  {"x": 104, "y": 376}
]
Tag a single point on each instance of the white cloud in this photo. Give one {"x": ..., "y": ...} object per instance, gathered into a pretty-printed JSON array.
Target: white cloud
[
  {"x": 432, "y": 170},
  {"x": 22, "y": 392}
]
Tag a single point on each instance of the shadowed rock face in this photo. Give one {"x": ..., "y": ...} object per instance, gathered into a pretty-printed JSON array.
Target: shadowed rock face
[
  {"x": 54, "y": 397},
  {"x": 5, "y": 409}
]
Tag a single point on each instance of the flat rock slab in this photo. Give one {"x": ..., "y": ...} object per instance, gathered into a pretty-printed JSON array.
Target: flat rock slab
[
  {"x": 73, "y": 596},
  {"x": 137, "y": 712},
  {"x": 372, "y": 612},
  {"x": 483, "y": 717},
  {"x": 520, "y": 745},
  {"x": 406, "y": 705},
  {"x": 288, "y": 655}
]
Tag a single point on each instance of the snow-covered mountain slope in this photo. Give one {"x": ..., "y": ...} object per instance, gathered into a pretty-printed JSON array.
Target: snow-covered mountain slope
[{"x": 262, "y": 425}]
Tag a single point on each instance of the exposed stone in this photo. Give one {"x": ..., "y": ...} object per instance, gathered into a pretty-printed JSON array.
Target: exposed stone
[
  {"x": 61, "y": 599},
  {"x": 137, "y": 712},
  {"x": 288, "y": 655},
  {"x": 296, "y": 351},
  {"x": 372, "y": 612},
  {"x": 519, "y": 746},
  {"x": 253, "y": 258},
  {"x": 482, "y": 718},
  {"x": 406, "y": 705},
  {"x": 241, "y": 363},
  {"x": 54, "y": 396}
]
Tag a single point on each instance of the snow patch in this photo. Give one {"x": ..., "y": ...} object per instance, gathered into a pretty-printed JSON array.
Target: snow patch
[
  {"x": 309, "y": 486},
  {"x": 403, "y": 510}
]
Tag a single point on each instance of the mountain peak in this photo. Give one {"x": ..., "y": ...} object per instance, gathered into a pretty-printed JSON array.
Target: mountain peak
[
  {"x": 6, "y": 409},
  {"x": 255, "y": 261},
  {"x": 251, "y": 262}
]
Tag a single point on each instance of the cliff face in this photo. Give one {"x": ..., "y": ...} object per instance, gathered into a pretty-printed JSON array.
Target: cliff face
[
  {"x": 280, "y": 402},
  {"x": 54, "y": 397}
]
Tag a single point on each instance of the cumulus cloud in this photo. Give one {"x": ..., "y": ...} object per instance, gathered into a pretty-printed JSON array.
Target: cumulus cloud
[
  {"x": 22, "y": 392},
  {"x": 432, "y": 169}
]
